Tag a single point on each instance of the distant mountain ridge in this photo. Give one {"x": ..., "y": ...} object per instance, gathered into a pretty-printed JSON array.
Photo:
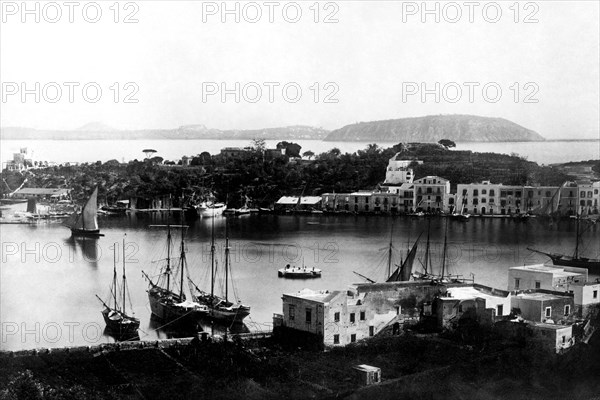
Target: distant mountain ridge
[
  {"x": 459, "y": 128},
  {"x": 98, "y": 131}
]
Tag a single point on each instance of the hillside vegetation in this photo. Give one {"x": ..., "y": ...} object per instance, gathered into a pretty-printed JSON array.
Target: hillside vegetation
[{"x": 459, "y": 128}]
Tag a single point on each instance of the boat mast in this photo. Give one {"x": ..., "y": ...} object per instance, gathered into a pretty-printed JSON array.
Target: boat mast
[
  {"x": 226, "y": 262},
  {"x": 427, "y": 246},
  {"x": 390, "y": 252},
  {"x": 212, "y": 259},
  {"x": 444, "y": 251},
  {"x": 115, "y": 274},
  {"x": 577, "y": 238},
  {"x": 182, "y": 260},
  {"x": 124, "y": 278},
  {"x": 168, "y": 270}
]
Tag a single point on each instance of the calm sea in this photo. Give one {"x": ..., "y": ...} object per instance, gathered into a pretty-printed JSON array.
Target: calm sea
[
  {"x": 48, "y": 280},
  {"x": 61, "y": 151}
]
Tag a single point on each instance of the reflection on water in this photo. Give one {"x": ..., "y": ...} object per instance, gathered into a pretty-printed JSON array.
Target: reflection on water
[{"x": 50, "y": 279}]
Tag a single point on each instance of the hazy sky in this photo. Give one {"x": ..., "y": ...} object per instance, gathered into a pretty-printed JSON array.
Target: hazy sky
[{"x": 375, "y": 61}]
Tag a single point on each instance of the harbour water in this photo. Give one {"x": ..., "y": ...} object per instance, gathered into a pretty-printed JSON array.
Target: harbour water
[
  {"x": 48, "y": 279},
  {"x": 61, "y": 151}
]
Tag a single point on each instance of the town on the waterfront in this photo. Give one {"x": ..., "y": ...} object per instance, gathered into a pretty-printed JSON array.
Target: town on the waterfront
[
  {"x": 549, "y": 298},
  {"x": 299, "y": 200}
]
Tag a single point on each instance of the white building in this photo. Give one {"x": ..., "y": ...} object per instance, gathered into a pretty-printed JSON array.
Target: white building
[
  {"x": 432, "y": 194},
  {"x": 399, "y": 171},
  {"x": 541, "y": 276},
  {"x": 339, "y": 317}
]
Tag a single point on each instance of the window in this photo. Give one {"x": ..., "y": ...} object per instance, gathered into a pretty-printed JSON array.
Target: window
[
  {"x": 517, "y": 283},
  {"x": 595, "y": 294},
  {"x": 567, "y": 310},
  {"x": 371, "y": 330},
  {"x": 475, "y": 192},
  {"x": 538, "y": 284},
  {"x": 582, "y": 194},
  {"x": 336, "y": 339},
  {"x": 336, "y": 317},
  {"x": 548, "y": 312},
  {"x": 352, "y": 318},
  {"x": 292, "y": 312},
  {"x": 353, "y": 338},
  {"x": 308, "y": 315},
  {"x": 464, "y": 192},
  {"x": 483, "y": 191},
  {"x": 499, "y": 310},
  {"x": 492, "y": 193},
  {"x": 362, "y": 316},
  {"x": 484, "y": 200}
]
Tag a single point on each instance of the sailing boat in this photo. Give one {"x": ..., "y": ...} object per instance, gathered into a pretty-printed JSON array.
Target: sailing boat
[
  {"x": 85, "y": 223},
  {"x": 593, "y": 265},
  {"x": 220, "y": 308},
  {"x": 404, "y": 272},
  {"x": 118, "y": 322},
  {"x": 170, "y": 303}
]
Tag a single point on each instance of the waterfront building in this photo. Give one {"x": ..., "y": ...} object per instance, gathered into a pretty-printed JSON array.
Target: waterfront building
[
  {"x": 366, "y": 201},
  {"x": 541, "y": 200},
  {"x": 547, "y": 306},
  {"x": 478, "y": 198},
  {"x": 43, "y": 193},
  {"x": 588, "y": 198},
  {"x": 337, "y": 318},
  {"x": 546, "y": 277},
  {"x": 432, "y": 194},
  {"x": 295, "y": 203}
]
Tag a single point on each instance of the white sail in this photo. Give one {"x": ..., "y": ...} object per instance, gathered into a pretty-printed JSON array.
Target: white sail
[
  {"x": 88, "y": 218},
  {"x": 89, "y": 214}
]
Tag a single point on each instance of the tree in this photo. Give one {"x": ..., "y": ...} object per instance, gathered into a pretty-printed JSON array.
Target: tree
[
  {"x": 447, "y": 143},
  {"x": 259, "y": 145},
  {"x": 309, "y": 154},
  {"x": 148, "y": 152},
  {"x": 291, "y": 149}
]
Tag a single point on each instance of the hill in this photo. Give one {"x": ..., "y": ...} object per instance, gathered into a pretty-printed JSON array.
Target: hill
[
  {"x": 459, "y": 128},
  {"x": 99, "y": 131}
]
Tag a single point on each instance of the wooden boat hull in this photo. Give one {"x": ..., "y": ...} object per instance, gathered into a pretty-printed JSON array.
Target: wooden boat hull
[
  {"x": 85, "y": 232},
  {"x": 299, "y": 274},
  {"x": 167, "y": 310},
  {"x": 235, "y": 315},
  {"x": 591, "y": 265},
  {"x": 122, "y": 326}
]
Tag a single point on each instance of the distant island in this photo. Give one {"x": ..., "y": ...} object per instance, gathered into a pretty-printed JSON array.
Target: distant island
[
  {"x": 432, "y": 128},
  {"x": 98, "y": 131},
  {"x": 429, "y": 129}
]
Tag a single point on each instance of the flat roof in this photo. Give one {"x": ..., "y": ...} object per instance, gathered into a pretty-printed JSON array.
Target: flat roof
[
  {"x": 290, "y": 200},
  {"x": 541, "y": 296},
  {"x": 470, "y": 292},
  {"x": 554, "y": 327},
  {"x": 322, "y": 296},
  {"x": 38, "y": 191},
  {"x": 546, "y": 269}
]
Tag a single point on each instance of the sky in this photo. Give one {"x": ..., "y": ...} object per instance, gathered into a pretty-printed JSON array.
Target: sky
[{"x": 159, "y": 64}]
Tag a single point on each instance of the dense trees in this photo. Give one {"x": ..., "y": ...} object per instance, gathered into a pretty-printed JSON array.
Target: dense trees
[{"x": 265, "y": 180}]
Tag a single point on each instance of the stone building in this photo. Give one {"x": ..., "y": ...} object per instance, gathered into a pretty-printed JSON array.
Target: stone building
[
  {"x": 544, "y": 306},
  {"x": 432, "y": 194}
]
